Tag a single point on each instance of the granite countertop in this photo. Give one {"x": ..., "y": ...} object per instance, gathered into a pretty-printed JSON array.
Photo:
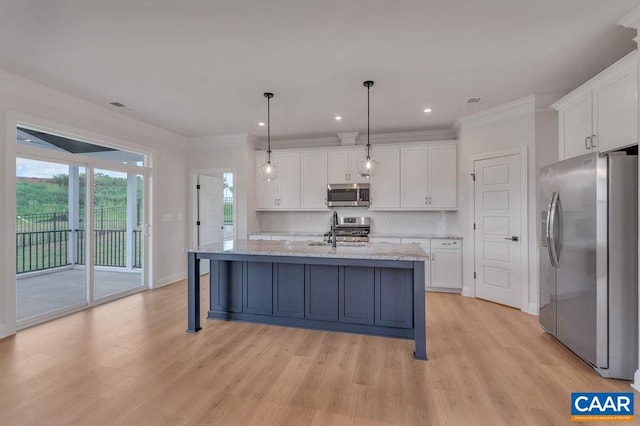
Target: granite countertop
[
  {"x": 414, "y": 235},
  {"x": 371, "y": 235},
  {"x": 367, "y": 251}
]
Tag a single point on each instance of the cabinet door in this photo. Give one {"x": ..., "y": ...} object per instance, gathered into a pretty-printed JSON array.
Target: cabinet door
[
  {"x": 355, "y": 157},
  {"x": 385, "y": 185},
  {"x": 356, "y": 295},
  {"x": 258, "y": 288},
  {"x": 446, "y": 268},
  {"x": 413, "y": 177},
  {"x": 289, "y": 180},
  {"x": 575, "y": 128},
  {"x": 266, "y": 192},
  {"x": 313, "y": 168},
  {"x": 394, "y": 297},
  {"x": 288, "y": 290},
  {"x": 442, "y": 176},
  {"x": 338, "y": 169},
  {"x": 321, "y": 292},
  {"x": 615, "y": 111}
]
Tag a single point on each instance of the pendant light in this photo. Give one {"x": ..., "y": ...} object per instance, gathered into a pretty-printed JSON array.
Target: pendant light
[
  {"x": 367, "y": 166},
  {"x": 268, "y": 170}
]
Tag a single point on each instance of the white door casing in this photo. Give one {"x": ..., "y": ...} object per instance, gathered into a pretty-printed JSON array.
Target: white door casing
[
  {"x": 211, "y": 213},
  {"x": 497, "y": 218}
]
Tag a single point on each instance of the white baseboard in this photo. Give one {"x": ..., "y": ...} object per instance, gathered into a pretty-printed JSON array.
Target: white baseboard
[
  {"x": 6, "y": 331},
  {"x": 636, "y": 381},
  {"x": 170, "y": 279},
  {"x": 466, "y": 291},
  {"x": 532, "y": 309}
]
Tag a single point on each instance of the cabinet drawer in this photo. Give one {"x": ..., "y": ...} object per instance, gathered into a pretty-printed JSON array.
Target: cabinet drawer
[
  {"x": 424, "y": 243},
  {"x": 259, "y": 237},
  {"x": 384, "y": 240},
  {"x": 447, "y": 244}
]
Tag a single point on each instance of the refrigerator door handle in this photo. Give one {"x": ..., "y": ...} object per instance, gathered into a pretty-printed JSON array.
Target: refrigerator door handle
[{"x": 551, "y": 239}]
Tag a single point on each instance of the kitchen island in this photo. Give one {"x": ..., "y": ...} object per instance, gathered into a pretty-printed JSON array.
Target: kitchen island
[{"x": 366, "y": 288}]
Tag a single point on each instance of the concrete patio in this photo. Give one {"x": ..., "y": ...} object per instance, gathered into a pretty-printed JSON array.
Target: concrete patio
[{"x": 58, "y": 289}]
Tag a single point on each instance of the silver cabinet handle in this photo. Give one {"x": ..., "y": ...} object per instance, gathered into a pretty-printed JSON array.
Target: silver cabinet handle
[
  {"x": 587, "y": 144},
  {"x": 593, "y": 141}
]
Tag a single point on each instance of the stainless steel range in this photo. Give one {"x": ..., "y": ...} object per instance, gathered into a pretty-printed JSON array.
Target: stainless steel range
[{"x": 351, "y": 229}]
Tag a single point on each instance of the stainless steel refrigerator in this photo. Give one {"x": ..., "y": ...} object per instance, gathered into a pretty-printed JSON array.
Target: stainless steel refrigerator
[{"x": 589, "y": 259}]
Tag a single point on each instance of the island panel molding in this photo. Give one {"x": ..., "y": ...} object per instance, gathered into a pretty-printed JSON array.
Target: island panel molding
[{"x": 377, "y": 290}]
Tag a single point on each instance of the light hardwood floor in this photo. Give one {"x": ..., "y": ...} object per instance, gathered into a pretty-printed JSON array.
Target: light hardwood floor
[{"x": 131, "y": 362}]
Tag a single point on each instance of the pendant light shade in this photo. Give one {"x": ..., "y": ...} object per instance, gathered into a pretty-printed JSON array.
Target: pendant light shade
[
  {"x": 368, "y": 167},
  {"x": 268, "y": 170}
]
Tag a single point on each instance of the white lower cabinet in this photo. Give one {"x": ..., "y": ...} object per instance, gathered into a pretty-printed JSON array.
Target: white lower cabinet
[
  {"x": 283, "y": 238},
  {"x": 385, "y": 240},
  {"x": 445, "y": 263}
]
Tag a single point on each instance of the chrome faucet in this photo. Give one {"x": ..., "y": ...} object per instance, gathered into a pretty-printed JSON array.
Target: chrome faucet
[{"x": 334, "y": 225}]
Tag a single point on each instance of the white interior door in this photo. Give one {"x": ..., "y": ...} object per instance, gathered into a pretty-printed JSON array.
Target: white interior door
[
  {"x": 497, "y": 234},
  {"x": 211, "y": 214}
]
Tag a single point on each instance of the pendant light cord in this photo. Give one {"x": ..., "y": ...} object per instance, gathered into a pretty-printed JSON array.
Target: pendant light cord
[
  {"x": 268, "y": 130},
  {"x": 368, "y": 142}
]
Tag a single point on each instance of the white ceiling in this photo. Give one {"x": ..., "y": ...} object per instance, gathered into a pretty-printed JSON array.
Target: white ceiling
[{"x": 200, "y": 67}]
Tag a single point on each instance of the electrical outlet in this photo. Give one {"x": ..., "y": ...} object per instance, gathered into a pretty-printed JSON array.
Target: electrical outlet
[{"x": 441, "y": 216}]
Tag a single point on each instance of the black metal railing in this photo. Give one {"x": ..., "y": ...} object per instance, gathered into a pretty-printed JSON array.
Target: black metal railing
[
  {"x": 108, "y": 218},
  {"x": 37, "y": 251},
  {"x": 228, "y": 210}
]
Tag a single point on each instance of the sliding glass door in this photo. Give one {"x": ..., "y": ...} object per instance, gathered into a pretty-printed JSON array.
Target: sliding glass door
[
  {"x": 117, "y": 232},
  {"x": 80, "y": 224},
  {"x": 50, "y": 275}
]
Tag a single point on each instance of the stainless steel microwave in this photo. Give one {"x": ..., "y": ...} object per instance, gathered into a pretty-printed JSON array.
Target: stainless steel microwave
[{"x": 348, "y": 195}]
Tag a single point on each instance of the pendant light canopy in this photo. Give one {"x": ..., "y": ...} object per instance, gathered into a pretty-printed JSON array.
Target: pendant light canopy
[
  {"x": 268, "y": 170},
  {"x": 368, "y": 167}
]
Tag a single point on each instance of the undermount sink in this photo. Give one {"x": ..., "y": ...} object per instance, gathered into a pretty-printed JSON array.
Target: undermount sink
[{"x": 339, "y": 244}]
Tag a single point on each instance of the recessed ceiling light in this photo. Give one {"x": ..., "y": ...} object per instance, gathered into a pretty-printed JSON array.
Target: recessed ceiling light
[
  {"x": 261, "y": 123},
  {"x": 428, "y": 110},
  {"x": 338, "y": 117}
]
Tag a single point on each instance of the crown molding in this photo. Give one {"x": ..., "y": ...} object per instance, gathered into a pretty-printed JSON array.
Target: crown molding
[
  {"x": 631, "y": 19},
  {"x": 601, "y": 76},
  {"x": 45, "y": 95},
  {"x": 222, "y": 141},
  {"x": 501, "y": 112},
  {"x": 380, "y": 138}
]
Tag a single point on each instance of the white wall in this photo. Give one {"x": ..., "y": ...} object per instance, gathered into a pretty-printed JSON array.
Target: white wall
[
  {"x": 509, "y": 127},
  {"x": 234, "y": 153},
  {"x": 23, "y": 98},
  {"x": 382, "y": 222}
]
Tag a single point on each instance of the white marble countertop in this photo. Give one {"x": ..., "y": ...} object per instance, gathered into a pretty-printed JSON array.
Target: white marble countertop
[
  {"x": 371, "y": 235},
  {"x": 367, "y": 251}
]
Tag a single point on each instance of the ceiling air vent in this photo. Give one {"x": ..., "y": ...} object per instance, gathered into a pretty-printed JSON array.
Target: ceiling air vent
[
  {"x": 473, "y": 100},
  {"x": 117, "y": 104}
]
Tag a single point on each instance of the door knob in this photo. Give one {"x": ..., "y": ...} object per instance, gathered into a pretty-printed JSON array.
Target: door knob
[{"x": 514, "y": 238}]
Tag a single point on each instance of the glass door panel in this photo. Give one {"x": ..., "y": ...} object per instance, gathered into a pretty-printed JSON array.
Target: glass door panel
[
  {"x": 117, "y": 232},
  {"x": 50, "y": 272}
]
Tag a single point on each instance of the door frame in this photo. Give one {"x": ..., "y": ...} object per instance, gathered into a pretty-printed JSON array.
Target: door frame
[
  {"x": 9, "y": 324},
  {"x": 193, "y": 200},
  {"x": 525, "y": 265}
]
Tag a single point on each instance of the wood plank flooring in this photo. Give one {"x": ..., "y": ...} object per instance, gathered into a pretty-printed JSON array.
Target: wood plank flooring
[{"x": 130, "y": 362}]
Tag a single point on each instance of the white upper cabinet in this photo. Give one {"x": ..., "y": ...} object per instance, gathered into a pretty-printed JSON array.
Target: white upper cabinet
[
  {"x": 413, "y": 180},
  {"x": 442, "y": 176},
  {"x": 385, "y": 184},
  {"x": 428, "y": 177},
  {"x": 413, "y": 176},
  {"x": 343, "y": 166},
  {"x": 284, "y": 192},
  {"x": 313, "y": 168},
  {"x": 602, "y": 114}
]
